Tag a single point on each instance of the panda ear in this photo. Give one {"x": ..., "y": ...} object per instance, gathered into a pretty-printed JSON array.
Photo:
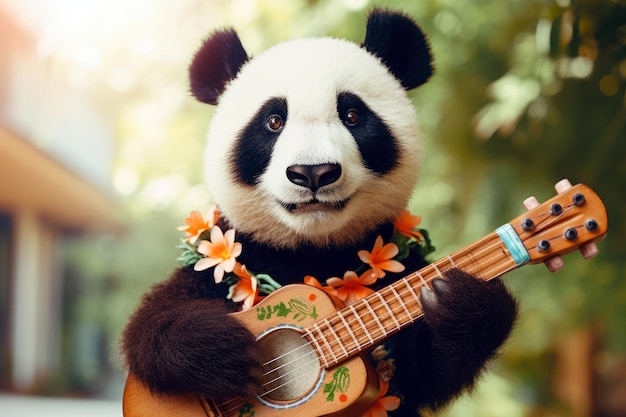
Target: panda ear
[
  {"x": 401, "y": 45},
  {"x": 217, "y": 62}
]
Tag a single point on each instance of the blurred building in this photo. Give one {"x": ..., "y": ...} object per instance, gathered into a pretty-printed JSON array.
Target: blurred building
[{"x": 56, "y": 156}]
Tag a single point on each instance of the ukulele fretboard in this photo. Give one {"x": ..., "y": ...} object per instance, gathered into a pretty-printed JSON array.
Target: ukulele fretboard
[{"x": 372, "y": 319}]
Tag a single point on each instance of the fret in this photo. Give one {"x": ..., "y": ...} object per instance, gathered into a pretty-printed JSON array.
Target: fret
[
  {"x": 501, "y": 263},
  {"x": 437, "y": 270},
  {"x": 316, "y": 344},
  {"x": 476, "y": 263},
  {"x": 481, "y": 256},
  {"x": 363, "y": 326},
  {"x": 483, "y": 261},
  {"x": 331, "y": 351},
  {"x": 349, "y": 330},
  {"x": 383, "y": 331},
  {"x": 340, "y": 329},
  {"x": 418, "y": 300},
  {"x": 386, "y": 305},
  {"x": 421, "y": 277},
  {"x": 451, "y": 260},
  {"x": 336, "y": 336},
  {"x": 401, "y": 302}
]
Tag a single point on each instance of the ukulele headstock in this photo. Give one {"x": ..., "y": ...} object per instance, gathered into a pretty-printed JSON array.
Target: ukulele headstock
[{"x": 573, "y": 219}]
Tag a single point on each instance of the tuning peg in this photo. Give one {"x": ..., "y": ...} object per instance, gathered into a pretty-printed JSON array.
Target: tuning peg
[
  {"x": 590, "y": 249},
  {"x": 562, "y": 185},
  {"x": 530, "y": 203},
  {"x": 555, "y": 263}
]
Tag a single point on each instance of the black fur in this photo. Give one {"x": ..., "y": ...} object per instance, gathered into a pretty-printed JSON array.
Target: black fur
[
  {"x": 377, "y": 145},
  {"x": 215, "y": 64},
  {"x": 447, "y": 352},
  {"x": 401, "y": 45},
  {"x": 255, "y": 142},
  {"x": 181, "y": 340}
]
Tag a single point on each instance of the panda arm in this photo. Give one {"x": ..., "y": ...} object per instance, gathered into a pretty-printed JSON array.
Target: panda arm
[
  {"x": 179, "y": 341},
  {"x": 463, "y": 327}
]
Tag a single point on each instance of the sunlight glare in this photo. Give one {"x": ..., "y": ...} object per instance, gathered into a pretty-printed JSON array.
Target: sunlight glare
[
  {"x": 125, "y": 180},
  {"x": 355, "y": 5}
]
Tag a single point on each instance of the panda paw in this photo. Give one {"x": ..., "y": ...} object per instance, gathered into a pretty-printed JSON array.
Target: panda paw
[
  {"x": 468, "y": 316},
  {"x": 193, "y": 348}
]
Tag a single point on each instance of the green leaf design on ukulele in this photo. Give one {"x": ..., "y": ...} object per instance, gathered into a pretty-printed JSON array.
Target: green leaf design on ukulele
[
  {"x": 339, "y": 383},
  {"x": 298, "y": 306},
  {"x": 303, "y": 307},
  {"x": 266, "y": 312},
  {"x": 246, "y": 410}
]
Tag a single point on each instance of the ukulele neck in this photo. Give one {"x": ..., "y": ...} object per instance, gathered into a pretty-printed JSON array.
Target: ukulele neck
[{"x": 373, "y": 319}]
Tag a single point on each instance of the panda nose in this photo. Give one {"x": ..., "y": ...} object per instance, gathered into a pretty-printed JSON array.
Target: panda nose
[{"x": 314, "y": 176}]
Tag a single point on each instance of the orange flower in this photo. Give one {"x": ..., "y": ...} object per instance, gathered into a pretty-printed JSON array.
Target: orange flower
[
  {"x": 383, "y": 403},
  {"x": 351, "y": 288},
  {"x": 332, "y": 292},
  {"x": 196, "y": 224},
  {"x": 380, "y": 259},
  {"x": 220, "y": 252},
  {"x": 406, "y": 223},
  {"x": 245, "y": 289}
]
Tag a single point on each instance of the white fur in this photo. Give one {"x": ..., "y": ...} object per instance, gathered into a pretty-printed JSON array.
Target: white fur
[{"x": 310, "y": 73}]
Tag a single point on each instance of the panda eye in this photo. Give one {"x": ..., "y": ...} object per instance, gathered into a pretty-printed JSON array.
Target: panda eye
[
  {"x": 275, "y": 123},
  {"x": 352, "y": 117}
]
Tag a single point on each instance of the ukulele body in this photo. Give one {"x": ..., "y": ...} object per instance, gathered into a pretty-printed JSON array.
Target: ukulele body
[{"x": 295, "y": 380}]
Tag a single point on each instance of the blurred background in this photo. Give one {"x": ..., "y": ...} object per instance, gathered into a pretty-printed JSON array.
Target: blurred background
[{"x": 100, "y": 161}]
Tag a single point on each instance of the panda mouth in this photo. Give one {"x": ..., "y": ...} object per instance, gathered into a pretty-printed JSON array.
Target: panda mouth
[{"x": 314, "y": 205}]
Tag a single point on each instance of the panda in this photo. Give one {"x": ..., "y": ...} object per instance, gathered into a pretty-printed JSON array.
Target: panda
[{"x": 313, "y": 150}]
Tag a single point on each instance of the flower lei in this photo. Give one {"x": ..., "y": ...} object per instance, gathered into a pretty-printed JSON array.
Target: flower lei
[{"x": 206, "y": 246}]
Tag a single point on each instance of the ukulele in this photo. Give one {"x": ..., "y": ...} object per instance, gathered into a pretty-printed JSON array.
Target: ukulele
[{"x": 314, "y": 355}]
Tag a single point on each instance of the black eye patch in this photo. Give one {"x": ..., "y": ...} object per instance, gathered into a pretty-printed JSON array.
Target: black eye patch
[
  {"x": 373, "y": 137},
  {"x": 255, "y": 142}
]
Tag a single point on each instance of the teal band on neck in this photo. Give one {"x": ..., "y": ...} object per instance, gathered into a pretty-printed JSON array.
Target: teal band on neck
[{"x": 513, "y": 243}]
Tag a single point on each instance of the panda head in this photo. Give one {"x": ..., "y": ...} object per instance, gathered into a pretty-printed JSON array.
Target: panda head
[{"x": 314, "y": 141}]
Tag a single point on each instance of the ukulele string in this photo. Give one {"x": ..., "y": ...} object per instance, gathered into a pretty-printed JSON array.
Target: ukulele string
[
  {"x": 298, "y": 359},
  {"x": 357, "y": 347},
  {"x": 541, "y": 225},
  {"x": 265, "y": 393}
]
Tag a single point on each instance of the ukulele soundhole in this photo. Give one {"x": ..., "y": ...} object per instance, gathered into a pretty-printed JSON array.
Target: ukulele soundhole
[{"x": 291, "y": 367}]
